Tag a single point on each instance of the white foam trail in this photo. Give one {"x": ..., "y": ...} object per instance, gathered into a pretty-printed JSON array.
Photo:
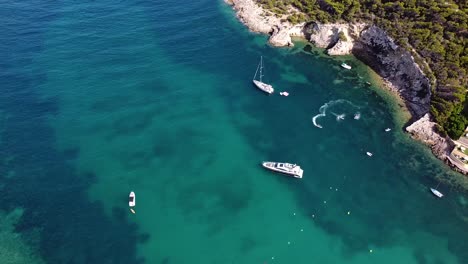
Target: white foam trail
[
  {"x": 314, "y": 120},
  {"x": 323, "y": 110}
]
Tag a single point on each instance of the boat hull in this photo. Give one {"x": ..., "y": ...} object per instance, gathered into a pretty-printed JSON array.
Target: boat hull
[
  {"x": 131, "y": 199},
  {"x": 346, "y": 66},
  {"x": 297, "y": 173},
  {"x": 437, "y": 193},
  {"x": 264, "y": 87}
]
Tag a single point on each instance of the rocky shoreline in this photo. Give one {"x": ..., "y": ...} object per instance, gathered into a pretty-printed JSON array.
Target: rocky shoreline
[{"x": 369, "y": 44}]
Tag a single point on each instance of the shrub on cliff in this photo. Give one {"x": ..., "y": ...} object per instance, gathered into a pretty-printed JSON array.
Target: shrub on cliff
[{"x": 342, "y": 36}]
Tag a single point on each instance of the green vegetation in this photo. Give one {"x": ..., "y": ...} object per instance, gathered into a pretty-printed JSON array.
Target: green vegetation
[
  {"x": 436, "y": 29},
  {"x": 342, "y": 36}
]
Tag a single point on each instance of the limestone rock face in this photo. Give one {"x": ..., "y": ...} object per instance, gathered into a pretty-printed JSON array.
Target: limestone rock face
[
  {"x": 397, "y": 66},
  {"x": 323, "y": 35},
  {"x": 341, "y": 48},
  {"x": 259, "y": 20},
  {"x": 280, "y": 37},
  {"x": 425, "y": 130}
]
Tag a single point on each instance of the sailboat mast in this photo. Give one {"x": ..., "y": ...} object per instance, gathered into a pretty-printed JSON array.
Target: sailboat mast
[
  {"x": 261, "y": 68},
  {"x": 256, "y": 71}
]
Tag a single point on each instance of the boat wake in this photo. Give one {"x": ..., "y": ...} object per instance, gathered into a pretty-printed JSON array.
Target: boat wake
[{"x": 323, "y": 110}]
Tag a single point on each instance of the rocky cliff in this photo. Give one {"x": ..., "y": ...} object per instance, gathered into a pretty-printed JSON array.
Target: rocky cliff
[
  {"x": 425, "y": 130},
  {"x": 262, "y": 21},
  {"x": 375, "y": 48},
  {"x": 328, "y": 36}
]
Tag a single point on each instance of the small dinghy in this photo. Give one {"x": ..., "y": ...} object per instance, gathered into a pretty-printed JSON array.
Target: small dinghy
[
  {"x": 369, "y": 154},
  {"x": 437, "y": 193},
  {"x": 284, "y": 93},
  {"x": 131, "y": 199},
  {"x": 357, "y": 116},
  {"x": 346, "y": 66},
  {"x": 387, "y": 129}
]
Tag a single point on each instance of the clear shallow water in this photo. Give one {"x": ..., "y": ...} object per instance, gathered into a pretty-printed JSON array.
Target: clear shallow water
[{"x": 100, "y": 98}]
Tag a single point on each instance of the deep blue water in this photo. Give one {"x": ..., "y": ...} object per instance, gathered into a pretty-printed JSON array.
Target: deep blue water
[{"x": 103, "y": 97}]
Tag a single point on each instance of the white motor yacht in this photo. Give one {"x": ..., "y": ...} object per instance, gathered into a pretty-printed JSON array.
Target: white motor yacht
[{"x": 286, "y": 168}]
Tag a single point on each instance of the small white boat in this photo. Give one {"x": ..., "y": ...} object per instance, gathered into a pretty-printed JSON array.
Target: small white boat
[
  {"x": 387, "y": 129},
  {"x": 437, "y": 193},
  {"x": 346, "y": 66},
  {"x": 339, "y": 116},
  {"x": 267, "y": 88},
  {"x": 286, "y": 168},
  {"x": 357, "y": 116},
  {"x": 131, "y": 199},
  {"x": 369, "y": 154},
  {"x": 284, "y": 93}
]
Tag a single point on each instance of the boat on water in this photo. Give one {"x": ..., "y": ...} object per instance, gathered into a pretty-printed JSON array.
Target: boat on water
[
  {"x": 346, "y": 66},
  {"x": 131, "y": 199},
  {"x": 340, "y": 117},
  {"x": 284, "y": 93},
  {"x": 437, "y": 193},
  {"x": 387, "y": 129},
  {"x": 369, "y": 154},
  {"x": 286, "y": 168},
  {"x": 267, "y": 88},
  {"x": 357, "y": 116}
]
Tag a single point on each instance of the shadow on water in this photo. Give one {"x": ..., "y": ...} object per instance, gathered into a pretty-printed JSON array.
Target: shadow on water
[
  {"x": 38, "y": 178},
  {"x": 53, "y": 196}
]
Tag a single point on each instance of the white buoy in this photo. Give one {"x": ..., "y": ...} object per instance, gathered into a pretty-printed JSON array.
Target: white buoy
[{"x": 349, "y": 212}]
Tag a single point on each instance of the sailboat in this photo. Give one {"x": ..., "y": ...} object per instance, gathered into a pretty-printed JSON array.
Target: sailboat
[
  {"x": 436, "y": 192},
  {"x": 261, "y": 85}
]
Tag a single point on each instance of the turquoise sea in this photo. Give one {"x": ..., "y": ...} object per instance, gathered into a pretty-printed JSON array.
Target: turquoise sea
[{"x": 103, "y": 97}]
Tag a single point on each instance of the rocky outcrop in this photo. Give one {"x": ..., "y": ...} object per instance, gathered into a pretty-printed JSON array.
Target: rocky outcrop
[
  {"x": 341, "y": 48},
  {"x": 328, "y": 36},
  {"x": 396, "y": 65},
  {"x": 259, "y": 20},
  {"x": 280, "y": 37},
  {"x": 425, "y": 130}
]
